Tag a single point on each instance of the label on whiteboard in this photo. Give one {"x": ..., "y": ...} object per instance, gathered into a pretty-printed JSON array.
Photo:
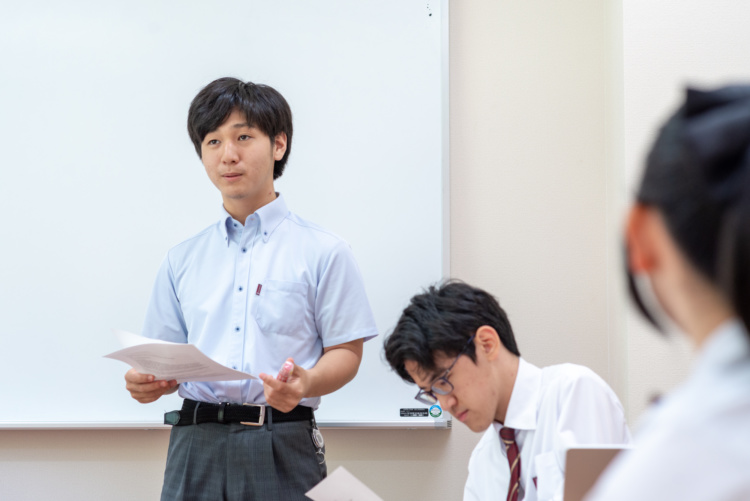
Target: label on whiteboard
[{"x": 414, "y": 413}]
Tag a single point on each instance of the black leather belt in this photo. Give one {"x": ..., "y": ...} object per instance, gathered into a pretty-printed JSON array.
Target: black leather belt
[{"x": 194, "y": 412}]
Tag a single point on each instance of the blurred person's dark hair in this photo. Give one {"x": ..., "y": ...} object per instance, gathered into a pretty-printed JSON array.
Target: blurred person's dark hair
[{"x": 697, "y": 176}]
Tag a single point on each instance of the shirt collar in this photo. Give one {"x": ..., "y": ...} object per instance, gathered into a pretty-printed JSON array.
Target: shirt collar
[
  {"x": 270, "y": 216},
  {"x": 224, "y": 223},
  {"x": 727, "y": 345},
  {"x": 524, "y": 399}
]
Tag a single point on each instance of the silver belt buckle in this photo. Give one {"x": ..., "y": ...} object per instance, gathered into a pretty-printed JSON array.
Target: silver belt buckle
[{"x": 261, "y": 418}]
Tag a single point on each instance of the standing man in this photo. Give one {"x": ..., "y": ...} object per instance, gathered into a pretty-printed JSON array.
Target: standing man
[
  {"x": 259, "y": 287},
  {"x": 456, "y": 343}
]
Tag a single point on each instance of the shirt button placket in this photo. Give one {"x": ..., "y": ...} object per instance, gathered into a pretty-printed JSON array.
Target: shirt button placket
[{"x": 239, "y": 302}]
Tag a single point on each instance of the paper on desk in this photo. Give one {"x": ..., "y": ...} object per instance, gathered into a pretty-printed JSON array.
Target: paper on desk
[
  {"x": 165, "y": 360},
  {"x": 341, "y": 486}
]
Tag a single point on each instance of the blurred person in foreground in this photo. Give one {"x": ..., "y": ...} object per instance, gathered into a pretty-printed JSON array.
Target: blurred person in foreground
[{"x": 688, "y": 245}]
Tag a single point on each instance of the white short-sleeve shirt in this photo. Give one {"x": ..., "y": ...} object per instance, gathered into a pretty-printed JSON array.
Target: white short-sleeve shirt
[
  {"x": 552, "y": 409},
  {"x": 251, "y": 295},
  {"x": 694, "y": 445}
]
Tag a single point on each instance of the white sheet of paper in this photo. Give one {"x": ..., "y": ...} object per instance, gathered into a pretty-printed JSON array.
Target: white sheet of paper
[
  {"x": 165, "y": 360},
  {"x": 341, "y": 486}
]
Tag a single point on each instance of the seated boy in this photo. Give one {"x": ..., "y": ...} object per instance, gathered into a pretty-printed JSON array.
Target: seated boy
[{"x": 456, "y": 343}]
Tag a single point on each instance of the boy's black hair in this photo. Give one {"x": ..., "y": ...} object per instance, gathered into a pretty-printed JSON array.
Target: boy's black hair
[
  {"x": 263, "y": 106},
  {"x": 442, "y": 319}
]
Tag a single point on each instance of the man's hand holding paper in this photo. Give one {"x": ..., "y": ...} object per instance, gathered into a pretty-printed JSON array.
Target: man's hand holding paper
[
  {"x": 159, "y": 366},
  {"x": 145, "y": 388}
]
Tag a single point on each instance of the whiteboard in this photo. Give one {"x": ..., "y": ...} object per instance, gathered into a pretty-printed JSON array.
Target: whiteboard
[{"x": 100, "y": 178}]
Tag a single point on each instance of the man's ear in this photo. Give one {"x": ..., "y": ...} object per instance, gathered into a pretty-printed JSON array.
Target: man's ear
[
  {"x": 279, "y": 146},
  {"x": 642, "y": 256},
  {"x": 487, "y": 342}
]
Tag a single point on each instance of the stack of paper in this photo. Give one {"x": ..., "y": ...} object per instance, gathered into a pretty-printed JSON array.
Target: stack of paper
[{"x": 167, "y": 361}]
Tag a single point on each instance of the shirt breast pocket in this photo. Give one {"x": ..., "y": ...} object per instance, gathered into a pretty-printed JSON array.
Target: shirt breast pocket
[{"x": 282, "y": 307}]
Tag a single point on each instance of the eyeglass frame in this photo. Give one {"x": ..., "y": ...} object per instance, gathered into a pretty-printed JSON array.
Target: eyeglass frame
[{"x": 429, "y": 397}]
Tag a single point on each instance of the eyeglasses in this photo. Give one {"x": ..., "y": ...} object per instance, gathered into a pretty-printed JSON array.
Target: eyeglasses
[{"x": 441, "y": 385}]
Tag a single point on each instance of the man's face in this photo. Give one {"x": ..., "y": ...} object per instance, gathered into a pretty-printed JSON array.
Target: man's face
[
  {"x": 239, "y": 161},
  {"x": 475, "y": 397}
]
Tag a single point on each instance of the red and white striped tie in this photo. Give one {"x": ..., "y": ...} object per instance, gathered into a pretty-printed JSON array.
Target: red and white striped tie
[{"x": 508, "y": 436}]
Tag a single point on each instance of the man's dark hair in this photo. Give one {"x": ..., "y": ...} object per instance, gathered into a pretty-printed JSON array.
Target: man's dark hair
[
  {"x": 263, "y": 106},
  {"x": 442, "y": 319}
]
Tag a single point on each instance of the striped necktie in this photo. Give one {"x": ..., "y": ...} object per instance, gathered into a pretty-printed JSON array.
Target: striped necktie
[{"x": 508, "y": 436}]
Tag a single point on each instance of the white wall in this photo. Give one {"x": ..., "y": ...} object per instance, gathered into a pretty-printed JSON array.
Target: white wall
[
  {"x": 530, "y": 138},
  {"x": 551, "y": 105}
]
